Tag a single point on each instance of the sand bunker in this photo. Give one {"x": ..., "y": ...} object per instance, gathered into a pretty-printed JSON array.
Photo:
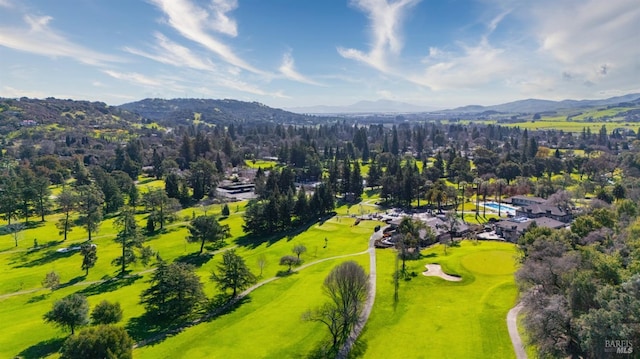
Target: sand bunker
[{"x": 434, "y": 270}]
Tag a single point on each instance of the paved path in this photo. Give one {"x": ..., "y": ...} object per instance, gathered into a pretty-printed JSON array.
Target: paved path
[
  {"x": 368, "y": 306},
  {"x": 512, "y": 325}
]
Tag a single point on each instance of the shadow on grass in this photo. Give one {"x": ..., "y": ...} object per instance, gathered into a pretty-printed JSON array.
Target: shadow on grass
[
  {"x": 110, "y": 285},
  {"x": 48, "y": 257},
  {"x": 43, "y": 349},
  {"x": 195, "y": 259},
  {"x": 45, "y": 246},
  {"x": 72, "y": 281},
  {"x": 285, "y": 273},
  {"x": 39, "y": 297},
  {"x": 150, "y": 236},
  {"x": 324, "y": 350},
  {"x": 254, "y": 241},
  {"x": 150, "y": 329},
  {"x": 223, "y": 304},
  {"x": 21, "y": 226}
]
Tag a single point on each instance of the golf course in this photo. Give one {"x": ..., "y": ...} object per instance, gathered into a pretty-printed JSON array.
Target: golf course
[{"x": 432, "y": 317}]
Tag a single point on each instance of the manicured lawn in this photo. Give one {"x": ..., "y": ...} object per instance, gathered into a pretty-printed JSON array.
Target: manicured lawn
[
  {"x": 267, "y": 325},
  {"x": 23, "y": 269},
  {"x": 435, "y": 318},
  {"x": 264, "y": 164}
]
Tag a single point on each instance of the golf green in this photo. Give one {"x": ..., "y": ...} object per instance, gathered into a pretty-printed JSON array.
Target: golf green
[{"x": 435, "y": 318}]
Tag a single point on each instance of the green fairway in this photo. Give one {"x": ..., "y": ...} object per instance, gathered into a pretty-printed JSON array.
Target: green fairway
[
  {"x": 435, "y": 318},
  {"x": 267, "y": 325}
]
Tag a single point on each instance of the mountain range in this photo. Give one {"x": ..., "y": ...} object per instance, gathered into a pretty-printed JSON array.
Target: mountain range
[{"x": 520, "y": 106}]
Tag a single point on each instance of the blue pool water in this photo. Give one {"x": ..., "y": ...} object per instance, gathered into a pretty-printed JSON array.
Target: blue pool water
[{"x": 502, "y": 207}]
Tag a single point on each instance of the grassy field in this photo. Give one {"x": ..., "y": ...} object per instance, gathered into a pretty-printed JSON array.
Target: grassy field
[
  {"x": 258, "y": 327},
  {"x": 23, "y": 269},
  {"x": 435, "y": 318},
  {"x": 267, "y": 325}
]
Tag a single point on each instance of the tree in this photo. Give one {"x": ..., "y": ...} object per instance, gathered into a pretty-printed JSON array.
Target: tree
[
  {"x": 89, "y": 256},
  {"x": 42, "y": 195},
  {"x": 289, "y": 261},
  {"x": 106, "y": 313},
  {"x": 69, "y": 312},
  {"x": 51, "y": 280},
  {"x": 202, "y": 178},
  {"x": 103, "y": 341},
  {"x": 262, "y": 263},
  {"x": 225, "y": 210},
  {"x": 15, "y": 228},
  {"x": 67, "y": 200},
  {"x": 409, "y": 244},
  {"x": 207, "y": 229},
  {"x": 161, "y": 206},
  {"x": 175, "y": 291},
  {"x": 233, "y": 273},
  {"x": 508, "y": 171},
  {"x": 9, "y": 196},
  {"x": 90, "y": 208},
  {"x": 128, "y": 237},
  {"x": 347, "y": 287},
  {"x": 298, "y": 249}
]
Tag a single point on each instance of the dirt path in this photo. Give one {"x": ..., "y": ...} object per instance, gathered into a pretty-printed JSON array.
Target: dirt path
[{"x": 512, "y": 325}]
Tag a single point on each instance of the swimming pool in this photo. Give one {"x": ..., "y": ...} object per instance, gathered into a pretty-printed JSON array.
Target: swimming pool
[{"x": 510, "y": 210}]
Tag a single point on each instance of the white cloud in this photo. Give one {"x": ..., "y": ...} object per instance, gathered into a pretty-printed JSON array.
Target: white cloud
[
  {"x": 171, "y": 53},
  {"x": 221, "y": 22},
  {"x": 6, "y": 3},
  {"x": 39, "y": 38},
  {"x": 573, "y": 30},
  {"x": 476, "y": 65},
  {"x": 581, "y": 38},
  {"x": 192, "y": 22},
  {"x": 135, "y": 78},
  {"x": 288, "y": 70},
  {"x": 386, "y": 19}
]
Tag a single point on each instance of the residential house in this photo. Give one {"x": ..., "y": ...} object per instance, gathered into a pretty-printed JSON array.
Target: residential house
[
  {"x": 543, "y": 210},
  {"x": 512, "y": 229}
]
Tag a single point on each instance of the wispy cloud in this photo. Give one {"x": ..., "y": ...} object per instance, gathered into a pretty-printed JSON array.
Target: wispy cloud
[
  {"x": 135, "y": 78},
  {"x": 41, "y": 39},
  {"x": 288, "y": 70},
  {"x": 386, "y": 18},
  {"x": 172, "y": 53},
  {"x": 6, "y": 3},
  {"x": 194, "y": 23},
  {"x": 221, "y": 22}
]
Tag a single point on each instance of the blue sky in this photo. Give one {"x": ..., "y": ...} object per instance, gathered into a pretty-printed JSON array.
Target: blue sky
[{"x": 291, "y": 53}]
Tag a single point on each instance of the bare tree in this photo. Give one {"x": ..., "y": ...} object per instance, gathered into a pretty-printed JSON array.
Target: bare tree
[
  {"x": 262, "y": 263},
  {"x": 298, "y": 249},
  {"x": 347, "y": 286}
]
